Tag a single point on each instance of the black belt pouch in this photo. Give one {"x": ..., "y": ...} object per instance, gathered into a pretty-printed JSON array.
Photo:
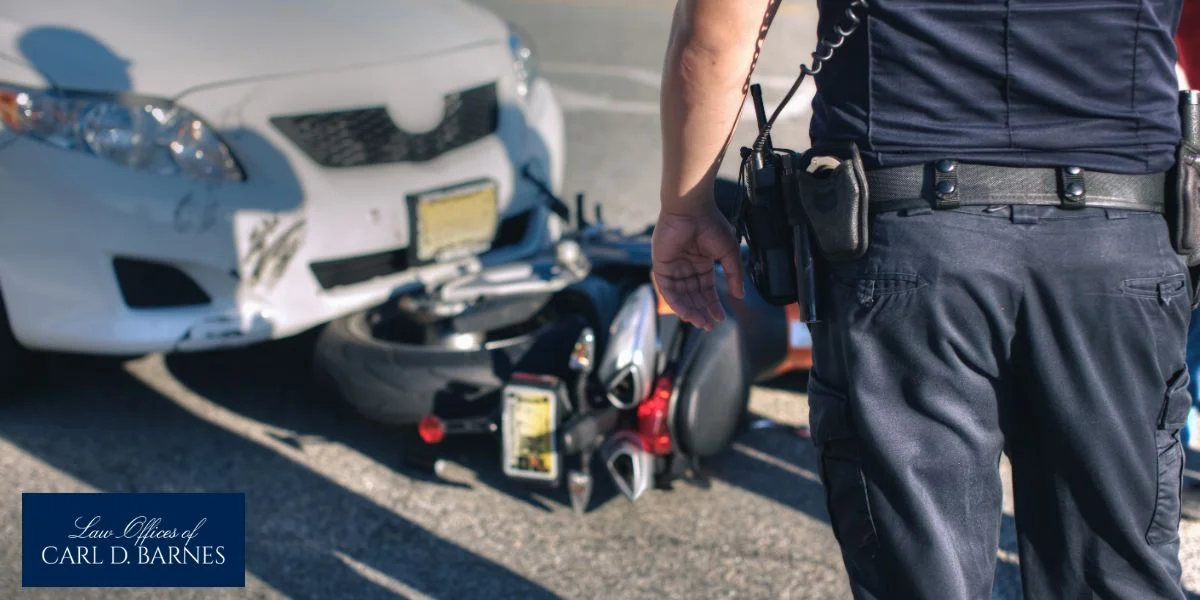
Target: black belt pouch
[
  {"x": 1183, "y": 191},
  {"x": 832, "y": 188}
]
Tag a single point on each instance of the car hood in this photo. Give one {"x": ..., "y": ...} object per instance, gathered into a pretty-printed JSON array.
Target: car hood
[{"x": 167, "y": 47}]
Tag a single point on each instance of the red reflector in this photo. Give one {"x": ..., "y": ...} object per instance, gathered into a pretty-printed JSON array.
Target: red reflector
[
  {"x": 431, "y": 429},
  {"x": 660, "y": 444},
  {"x": 652, "y": 418}
]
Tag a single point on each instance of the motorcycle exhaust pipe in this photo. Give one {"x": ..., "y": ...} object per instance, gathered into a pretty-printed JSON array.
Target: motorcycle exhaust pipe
[
  {"x": 585, "y": 431},
  {"x": 627, "y": 368},
  {"x": 629, "y": 464}
]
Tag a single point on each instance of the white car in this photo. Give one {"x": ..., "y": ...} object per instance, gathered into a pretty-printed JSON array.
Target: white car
[{"x": 189, "y": 175}]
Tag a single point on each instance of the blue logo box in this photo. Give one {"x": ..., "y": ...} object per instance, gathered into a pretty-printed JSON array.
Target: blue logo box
[{"x": 133, "y": 540}]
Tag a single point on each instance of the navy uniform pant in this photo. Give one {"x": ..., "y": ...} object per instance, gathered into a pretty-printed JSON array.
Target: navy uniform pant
[{"x": 1055, "y": 336}]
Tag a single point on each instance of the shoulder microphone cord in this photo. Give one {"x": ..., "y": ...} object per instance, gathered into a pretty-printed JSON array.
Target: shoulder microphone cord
[{"x": 824, "y": 52}]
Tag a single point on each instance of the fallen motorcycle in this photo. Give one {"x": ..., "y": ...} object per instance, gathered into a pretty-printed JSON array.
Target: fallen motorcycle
[{"x": 568, "y": 355}]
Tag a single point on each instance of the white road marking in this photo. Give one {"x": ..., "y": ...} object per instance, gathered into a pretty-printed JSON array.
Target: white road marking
[
  {"x": 380, "y": 578},
  {"x": 652, "y": 77},
  {"x": 788, "y": 7},
  {"x": 575, "y": 100},
  {"x": 636, "y": 74},
  {"x": 775, "y": 461}
]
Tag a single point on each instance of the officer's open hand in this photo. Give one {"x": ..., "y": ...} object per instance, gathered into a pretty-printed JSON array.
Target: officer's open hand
[{"x": 684, "y": 250}]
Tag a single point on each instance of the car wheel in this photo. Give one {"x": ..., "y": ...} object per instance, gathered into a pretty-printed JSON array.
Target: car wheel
[{"x": 395, "y": 368}]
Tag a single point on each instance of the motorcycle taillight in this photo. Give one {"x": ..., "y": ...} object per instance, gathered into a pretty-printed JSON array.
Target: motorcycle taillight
[
  {"x": 431, "y": 429},
  {"x": 652, "y": 418}
]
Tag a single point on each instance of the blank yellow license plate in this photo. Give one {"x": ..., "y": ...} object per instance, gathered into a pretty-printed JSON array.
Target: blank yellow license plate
[
  {"x": 456, "y": 222},
  {"x": 530, "y": 439}
]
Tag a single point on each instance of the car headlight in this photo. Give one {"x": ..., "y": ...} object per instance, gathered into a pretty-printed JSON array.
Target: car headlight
[
  {"x": 141, "y": 133},
  {"x": 525, "y": 61}
]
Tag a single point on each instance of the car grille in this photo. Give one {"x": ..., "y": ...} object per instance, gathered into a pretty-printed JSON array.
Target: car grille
[{"x": 368, "y": 136}]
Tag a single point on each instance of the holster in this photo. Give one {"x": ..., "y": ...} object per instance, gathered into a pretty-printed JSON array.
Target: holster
[
  {"x": 1183, "y": 191},
  {"x": 831, "y": 190}
]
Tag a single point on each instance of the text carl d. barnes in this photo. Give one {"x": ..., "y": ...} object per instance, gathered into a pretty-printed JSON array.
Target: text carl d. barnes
[{"x": 118, "y": 555}]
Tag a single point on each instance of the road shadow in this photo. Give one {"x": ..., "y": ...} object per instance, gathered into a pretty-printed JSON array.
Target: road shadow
[
  {"x": 795, "y": 382},
  {"x": 775, "y": 463},
  {"x": 307, "y": 535},
  {"x": 294, "y": 401},
  {"x": 1008, "y": 574}
]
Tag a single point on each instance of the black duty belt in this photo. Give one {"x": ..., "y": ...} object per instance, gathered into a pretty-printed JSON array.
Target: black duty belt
[{"x": 947, "y": 184}]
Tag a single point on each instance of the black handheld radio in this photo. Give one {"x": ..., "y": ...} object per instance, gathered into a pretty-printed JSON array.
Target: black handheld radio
[
  {"x": 767, "y": 235},
  {"x": 783, "y": 262}
]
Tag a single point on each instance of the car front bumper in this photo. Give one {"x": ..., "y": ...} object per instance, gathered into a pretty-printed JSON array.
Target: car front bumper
[{"x": 97, "y": 258}]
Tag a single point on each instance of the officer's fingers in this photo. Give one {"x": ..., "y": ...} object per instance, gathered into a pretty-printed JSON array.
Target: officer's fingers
[
  {"x": 712, "y": 311},
  {"x": 732, "y": 265},
  {"x": 696, "y": 309},
  {"x": 702, "y": 297},
  {"x": 716, "y": 314},
  {"x": 712, "y": 301},
  {"x": 697, "y": 317},
  {"x": 693, "y": 310},
  {"x": 679, "y": 298}
]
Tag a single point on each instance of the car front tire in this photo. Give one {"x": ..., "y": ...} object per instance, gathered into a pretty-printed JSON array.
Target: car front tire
[{"x": 395, "y": 381}]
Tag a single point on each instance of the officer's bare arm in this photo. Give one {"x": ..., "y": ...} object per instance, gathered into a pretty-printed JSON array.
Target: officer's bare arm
[{"x": 710, "y": 56}]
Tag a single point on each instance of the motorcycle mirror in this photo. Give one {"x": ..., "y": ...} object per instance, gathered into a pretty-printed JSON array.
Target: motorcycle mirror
[
  {"x": 570, "y": 256},
  {"x": 580, "y": 222},
  {"x": 583, "y": 354}
]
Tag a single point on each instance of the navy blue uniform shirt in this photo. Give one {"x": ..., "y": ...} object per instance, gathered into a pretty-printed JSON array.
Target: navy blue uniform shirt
[{"x": 1088, "y": 83}]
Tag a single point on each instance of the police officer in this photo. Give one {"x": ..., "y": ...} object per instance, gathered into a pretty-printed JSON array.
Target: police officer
[
  {"x": 1187, "y": 41},
  {"x": 1020, "y": 293}
]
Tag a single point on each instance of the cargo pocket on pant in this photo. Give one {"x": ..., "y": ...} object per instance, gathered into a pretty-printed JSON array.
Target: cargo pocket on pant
[
  {"x": 841, "y": 471},
  {"x": 1164, "y": 526}
]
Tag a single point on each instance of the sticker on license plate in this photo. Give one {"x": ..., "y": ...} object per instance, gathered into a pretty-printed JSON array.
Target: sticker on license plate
[
  {"x": 455, "y": 222},
  {"x": 530, "y": 431}
]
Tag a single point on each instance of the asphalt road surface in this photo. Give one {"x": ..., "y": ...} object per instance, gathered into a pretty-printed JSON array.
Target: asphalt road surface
[{"x": 332, "y": 512}]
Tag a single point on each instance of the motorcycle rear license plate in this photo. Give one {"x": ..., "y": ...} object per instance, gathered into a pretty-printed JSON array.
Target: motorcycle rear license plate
[
  {"x": 456, "y": 221},
  {"x": 529, "y": 429}
]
